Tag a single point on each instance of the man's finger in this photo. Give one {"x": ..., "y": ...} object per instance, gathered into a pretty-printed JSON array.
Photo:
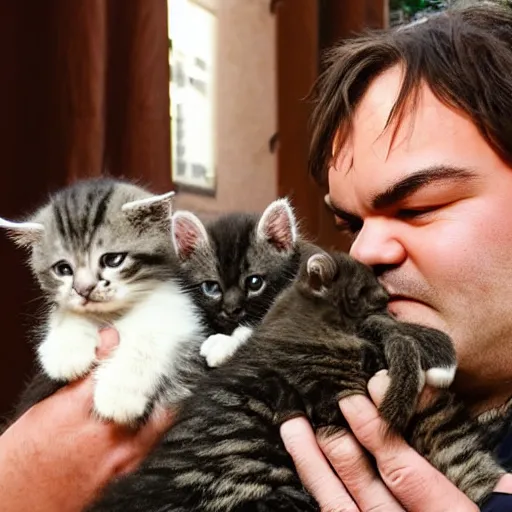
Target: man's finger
[
  {"x": 160, "y": 420},
  {"x": 313, "y": 469},
  {"x": 360, "y": 479},
  {"x": 379, "y": 383},
  {"x": 505, "y": 484},
  {"x": 143, "y": 440},
  {"x": 413, "y": 481},
  {"x": 109, "y": 339},
  {"x": 84, "y": 386}
]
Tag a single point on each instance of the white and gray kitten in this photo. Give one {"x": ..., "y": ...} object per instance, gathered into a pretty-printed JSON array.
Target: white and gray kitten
[{"x": 101, "y": 252}]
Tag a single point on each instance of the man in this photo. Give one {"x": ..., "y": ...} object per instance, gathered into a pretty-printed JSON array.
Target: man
[
  {"x": 427, "y": 195},
  {"x": 413, "y": 132}
]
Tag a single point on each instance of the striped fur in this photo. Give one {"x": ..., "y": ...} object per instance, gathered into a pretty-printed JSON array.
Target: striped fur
[
  {"x": 319, "y": 342},
  {"x": 86, "y": 220}
]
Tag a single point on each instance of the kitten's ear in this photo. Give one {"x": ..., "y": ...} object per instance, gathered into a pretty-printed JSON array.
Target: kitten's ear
[
  {"x": 24, "y": 234},
  {"x": 187, "y": 233},
  {"x": 161, "y": 206},
  {"x": 321, "y": 270},
  {"x": 278, "y": 225}
]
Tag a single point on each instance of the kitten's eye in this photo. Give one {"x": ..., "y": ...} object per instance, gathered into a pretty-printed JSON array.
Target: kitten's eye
[
  {"x": 112, "y": 259},
  {"x": 211, "y": 289},
  {"x": 254, "y": 283},
  {"x": 62, "y": 268}
]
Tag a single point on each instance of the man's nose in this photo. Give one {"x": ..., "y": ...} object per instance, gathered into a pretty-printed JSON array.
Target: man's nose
[{"x": 377, "y": 244}]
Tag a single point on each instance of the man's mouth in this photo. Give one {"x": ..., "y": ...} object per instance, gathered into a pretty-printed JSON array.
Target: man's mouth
[
  {"x": 397, "y": 297},
  {"x": 394, "y": 298},
  {"x": 397, "y": 301}
]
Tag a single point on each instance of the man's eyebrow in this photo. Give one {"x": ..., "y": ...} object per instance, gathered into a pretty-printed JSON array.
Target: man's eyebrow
[
  {"x": 339, "y": 212},
  {"x": 413, "y": 182}
]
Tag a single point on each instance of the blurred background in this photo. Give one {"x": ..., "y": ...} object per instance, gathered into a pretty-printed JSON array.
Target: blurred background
[{"x": 206, "y": 97}]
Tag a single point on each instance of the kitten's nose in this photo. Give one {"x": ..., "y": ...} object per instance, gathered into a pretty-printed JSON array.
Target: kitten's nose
[
  {"x": 84, "y": 290},
  {"x": 232, "y": 302},
  {"x": 234, "y": 310}
]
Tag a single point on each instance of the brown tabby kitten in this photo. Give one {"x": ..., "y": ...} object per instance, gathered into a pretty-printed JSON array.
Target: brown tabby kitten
[{"x": 325, "y": 336}]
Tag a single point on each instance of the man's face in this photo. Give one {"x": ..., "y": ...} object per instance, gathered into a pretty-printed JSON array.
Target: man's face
[{"x": 431, "y": 211}]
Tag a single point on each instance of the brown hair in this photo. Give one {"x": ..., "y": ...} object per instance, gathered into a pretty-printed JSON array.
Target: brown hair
[{"x": 464, "y": 54}]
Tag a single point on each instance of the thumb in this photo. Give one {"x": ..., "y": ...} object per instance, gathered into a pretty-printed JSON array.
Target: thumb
[
  {"x": 109, "y": 339},
  {"x": 379, "y": 383}
]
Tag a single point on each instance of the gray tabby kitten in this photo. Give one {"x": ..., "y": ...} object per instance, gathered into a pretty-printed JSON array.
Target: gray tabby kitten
[
  {"x": 324, "y": 337},
  {"x": 101, "y": 253}
]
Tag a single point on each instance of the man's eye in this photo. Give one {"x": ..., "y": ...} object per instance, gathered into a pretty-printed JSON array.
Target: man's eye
[
  {"x": 411, "y": 213},
  {"x": 348, "y": 227}
]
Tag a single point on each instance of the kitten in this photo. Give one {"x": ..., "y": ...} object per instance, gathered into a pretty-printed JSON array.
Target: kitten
[
  {"x": 101, "y": 253},
  {"x": 236, "y": 266},
  {"x": 324, "y": 337}
]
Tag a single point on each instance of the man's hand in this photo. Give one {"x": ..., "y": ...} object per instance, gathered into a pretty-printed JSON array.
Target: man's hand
[
  {"x": 405, "y": 480},
  {"x": 57, "y": 456}
]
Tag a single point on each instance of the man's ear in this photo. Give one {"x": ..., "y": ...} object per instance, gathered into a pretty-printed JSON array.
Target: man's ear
[
  {"x": 278, "y": 225},
  {"x": 24, "y": 234},
  {"x": 187, "y": 233}
]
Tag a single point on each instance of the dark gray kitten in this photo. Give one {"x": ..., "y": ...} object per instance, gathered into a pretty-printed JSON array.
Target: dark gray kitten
[
  {"x": 235, "y": 266},
  {"x": 103, "y": 254},
  {"x": 324, "y": 337}
]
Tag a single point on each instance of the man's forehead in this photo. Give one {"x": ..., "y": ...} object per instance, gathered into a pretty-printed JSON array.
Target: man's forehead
[
  {"x": 380, "y": 98},
  {"x": 426, "y": 124},
  {"x": 370, "y": 119}
]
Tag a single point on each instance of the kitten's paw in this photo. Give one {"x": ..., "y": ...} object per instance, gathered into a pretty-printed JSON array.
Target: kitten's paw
[
  {"x": 68, "y": 352},
  {"x": 440, "y": 377},
  {"x": 218, "y": 348},
  {"x": 122, "y": 405}
]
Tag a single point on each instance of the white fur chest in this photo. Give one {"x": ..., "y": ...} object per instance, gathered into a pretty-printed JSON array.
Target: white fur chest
[{"x": 153, "y": 335}]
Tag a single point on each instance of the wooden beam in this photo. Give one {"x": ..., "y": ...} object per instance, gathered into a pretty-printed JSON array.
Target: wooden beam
[{"x": 297, "y": 69}]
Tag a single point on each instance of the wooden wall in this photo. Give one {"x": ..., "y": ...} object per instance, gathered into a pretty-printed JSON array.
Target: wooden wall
[{"x": 304, "y": 29}]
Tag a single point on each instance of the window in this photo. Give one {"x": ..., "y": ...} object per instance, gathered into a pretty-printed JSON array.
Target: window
[{"x": 192, "y": 44}]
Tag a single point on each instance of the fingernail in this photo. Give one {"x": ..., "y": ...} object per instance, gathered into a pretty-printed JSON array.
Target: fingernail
[
  {"x": 353, "y": 404},
  {"x": 378, "y": 385},
  {"x": 291, "y": 425},
  {"x": 380, "y": 380},
  {"x": 294, "y": 427}
]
